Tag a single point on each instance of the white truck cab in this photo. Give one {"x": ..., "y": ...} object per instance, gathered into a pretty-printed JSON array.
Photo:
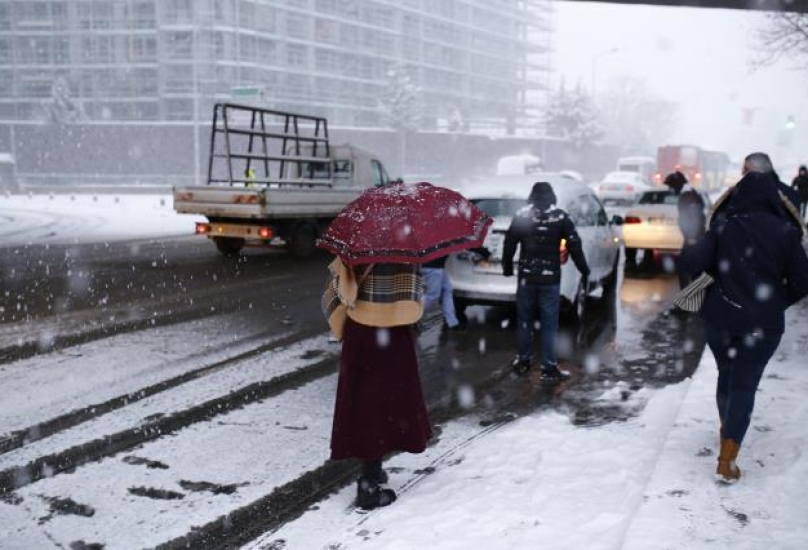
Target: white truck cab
[{"x": 276, "y": 181}]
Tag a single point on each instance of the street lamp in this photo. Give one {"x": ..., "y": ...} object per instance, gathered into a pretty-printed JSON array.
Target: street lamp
[{"x": 595, "y": 64}]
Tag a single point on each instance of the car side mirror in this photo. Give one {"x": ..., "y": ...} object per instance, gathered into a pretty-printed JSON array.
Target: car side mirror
[{"x": 617, "y": 220}]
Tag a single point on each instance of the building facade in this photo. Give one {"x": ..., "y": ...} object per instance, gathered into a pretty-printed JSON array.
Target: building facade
[{"x": 421, "y": 64}]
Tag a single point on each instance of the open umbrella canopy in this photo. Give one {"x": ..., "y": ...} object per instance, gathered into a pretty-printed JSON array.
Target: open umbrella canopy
[{"x": 405, "y": 223}]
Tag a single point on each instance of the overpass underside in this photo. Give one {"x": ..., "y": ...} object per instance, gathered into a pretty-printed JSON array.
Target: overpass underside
[{"x": 800, "y": 6}]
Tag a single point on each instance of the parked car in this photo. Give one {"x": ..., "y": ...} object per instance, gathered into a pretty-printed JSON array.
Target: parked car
[
  {"x": 653, "y": 222},
  {"x": 479, "y": 281},
  {"x": 620, "y": 188}
]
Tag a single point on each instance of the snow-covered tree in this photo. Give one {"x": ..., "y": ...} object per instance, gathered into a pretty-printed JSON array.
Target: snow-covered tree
[
  {"x": 62, "y": 108},
  {"x": 572, "y": 115},
  {"x": 401, "y": 104}
]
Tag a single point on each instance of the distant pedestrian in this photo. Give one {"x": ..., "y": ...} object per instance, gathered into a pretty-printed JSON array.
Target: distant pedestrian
[
  {"x": 538, "y": 229},
  {"x": 800, "y": 184},
  {"x": 438, "y": 290},
  {"x": 691, "y": 216},
  {"x": 380, "y": 405},
  {"x": 754, "y": 253}
]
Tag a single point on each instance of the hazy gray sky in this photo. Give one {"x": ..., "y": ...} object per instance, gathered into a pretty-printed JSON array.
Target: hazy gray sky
[{"x": 697, "y": 58}]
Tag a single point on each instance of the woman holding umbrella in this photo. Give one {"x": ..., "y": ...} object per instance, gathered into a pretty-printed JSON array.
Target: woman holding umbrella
[{"x": 380, "y": 240}]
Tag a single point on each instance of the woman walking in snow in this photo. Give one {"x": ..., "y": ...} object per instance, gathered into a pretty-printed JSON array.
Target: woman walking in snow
[
  {"x": 380, "y": 405},
  {"x": 753, "y": 251}
]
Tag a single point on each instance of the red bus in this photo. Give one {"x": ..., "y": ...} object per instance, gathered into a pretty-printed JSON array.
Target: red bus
[{"x": 703, "y": 169}]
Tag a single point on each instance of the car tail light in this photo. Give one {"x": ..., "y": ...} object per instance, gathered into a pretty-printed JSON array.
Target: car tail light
[
  {"x": 202, "y": 228},
  {"x": 632, "y": 219},
  {"x": 658, "y": 177},
  {"x": 629, "y": 188},
  {"x": 265, "y": 232},
  {"x": 698, "y": 175}
]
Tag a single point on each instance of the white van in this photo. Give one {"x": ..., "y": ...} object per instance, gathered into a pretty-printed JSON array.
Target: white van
[
  {"x": 645, "y": 166},
  {"x": 518, "y": 165}
]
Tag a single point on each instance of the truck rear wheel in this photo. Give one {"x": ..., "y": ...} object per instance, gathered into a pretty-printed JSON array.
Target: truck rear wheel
[
  {"x": 301, "y": 243},
  {"x": 229, "y": 246}
]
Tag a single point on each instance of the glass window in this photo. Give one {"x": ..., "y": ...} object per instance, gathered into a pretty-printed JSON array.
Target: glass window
[
  {"x": 658, "y": 197},
  {"x": 582, "y": 212},
  {"x": 380, "y": 176},
  {"x": 500, "y": 207}
]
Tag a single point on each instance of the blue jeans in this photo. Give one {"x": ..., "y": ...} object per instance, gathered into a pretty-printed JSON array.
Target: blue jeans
[
  {"x": 741, "y": 360},
  {"x": 546, "y": 299},
  {"x": 438, "y": 289}
]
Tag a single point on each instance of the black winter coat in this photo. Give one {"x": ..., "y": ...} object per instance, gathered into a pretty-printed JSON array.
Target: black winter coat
[
  {"x": 800, "y": 183},
  {"x": 755, "y": 253},
  {"x": 692, "y": 220},
  {"x": 538, "y": 232}
]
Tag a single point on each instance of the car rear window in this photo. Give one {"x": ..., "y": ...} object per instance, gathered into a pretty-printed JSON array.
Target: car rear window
[
  {"x": 500, "y": 207},
  {"x": 658, "y": 197}
]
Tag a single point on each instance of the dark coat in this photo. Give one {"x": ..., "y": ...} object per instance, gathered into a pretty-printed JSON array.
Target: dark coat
[
  {"x": 380, "y": 404},
  {"x": 754, "y": 252},
  {"x": 692, "y": 219},
  {"x": 800, "y": 184},
  {"x": 538, "y": 231}
]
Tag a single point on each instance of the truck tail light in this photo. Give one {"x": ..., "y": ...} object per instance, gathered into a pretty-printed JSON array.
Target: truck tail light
[
  {"x": 265, "y": 232},
  {"x": 632, "y": 219},
  {"x": 202, "y": 228}
]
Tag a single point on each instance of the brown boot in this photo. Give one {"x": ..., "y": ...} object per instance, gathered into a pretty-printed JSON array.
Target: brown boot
[{"x": 726, "y": 461}]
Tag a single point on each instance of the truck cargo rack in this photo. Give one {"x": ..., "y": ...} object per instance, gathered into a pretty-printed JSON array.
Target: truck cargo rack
[{"x": 288, "y": 149}]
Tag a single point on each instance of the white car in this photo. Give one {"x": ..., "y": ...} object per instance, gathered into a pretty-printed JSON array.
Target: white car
[
  {"x": 653, "y": 222},
  {"x": 479, "y": 281},
  {"x": 620, "y": 188}
]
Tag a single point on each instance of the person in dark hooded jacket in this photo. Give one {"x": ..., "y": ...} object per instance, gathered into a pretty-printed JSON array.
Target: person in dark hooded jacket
[
  {"x": 800, "y": 184},
  {"x": 538, "y": 230},
  {"x": 753, "y": 250},
  {"x": 690, "y": 215}
]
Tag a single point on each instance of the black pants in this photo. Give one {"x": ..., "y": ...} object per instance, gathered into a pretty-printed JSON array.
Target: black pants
[{"x": 741, "y": 359}]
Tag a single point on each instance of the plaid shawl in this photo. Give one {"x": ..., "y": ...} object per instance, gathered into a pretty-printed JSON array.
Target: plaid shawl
[{"x": 379, "y": 295}]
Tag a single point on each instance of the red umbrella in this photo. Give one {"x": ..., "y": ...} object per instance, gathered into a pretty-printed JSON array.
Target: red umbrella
[{"x": 405, "y": 223}]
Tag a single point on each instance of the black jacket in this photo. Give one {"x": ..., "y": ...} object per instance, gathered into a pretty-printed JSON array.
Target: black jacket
[
  {"x": 692, "y": 219},
  {"x": 538, "y": 232},
  {"x": 800, "y": 183},
  {"x": 754, "y": 252}
]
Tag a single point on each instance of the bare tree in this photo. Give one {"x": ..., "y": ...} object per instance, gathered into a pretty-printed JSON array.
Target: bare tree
[
  {"x": 785, "y": 36},
  {"x": 634, "y": 118}
]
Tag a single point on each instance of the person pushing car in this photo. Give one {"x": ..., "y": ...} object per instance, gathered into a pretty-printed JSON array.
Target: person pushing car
[{"x": 538, "y": 230}]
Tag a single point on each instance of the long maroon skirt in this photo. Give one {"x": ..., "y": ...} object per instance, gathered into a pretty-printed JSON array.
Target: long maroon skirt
[{"x": 380, "y": 405}]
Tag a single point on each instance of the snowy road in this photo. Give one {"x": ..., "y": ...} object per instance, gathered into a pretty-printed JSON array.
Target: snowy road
[{"x": 158, "y": 395}]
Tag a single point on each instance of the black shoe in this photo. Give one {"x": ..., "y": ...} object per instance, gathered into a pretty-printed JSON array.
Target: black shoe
[
  {"x": 520, "y": 366},
  {"x": 370, "y": 495},
  {"x": 552, "y": 372}
]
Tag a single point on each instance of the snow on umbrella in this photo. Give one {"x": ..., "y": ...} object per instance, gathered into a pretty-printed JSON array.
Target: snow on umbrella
[{"x": 405, "y": 223}]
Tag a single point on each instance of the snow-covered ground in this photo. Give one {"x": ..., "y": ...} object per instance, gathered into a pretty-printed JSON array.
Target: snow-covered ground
[
  {"x": 647, "y": 483},
  {"x": 540, "y": 481},
  {"x": 88, "y": 218}
]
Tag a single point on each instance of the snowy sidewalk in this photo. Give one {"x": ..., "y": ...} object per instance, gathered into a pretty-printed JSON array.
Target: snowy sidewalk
[
  {"x": 684, "y": 508},
  {"x": 541, "y": 482}
]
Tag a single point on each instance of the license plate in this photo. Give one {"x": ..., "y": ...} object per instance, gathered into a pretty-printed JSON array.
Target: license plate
[{"x": 662, "y": 221}]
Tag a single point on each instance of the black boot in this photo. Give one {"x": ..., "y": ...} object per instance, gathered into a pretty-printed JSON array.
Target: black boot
[
  {"x": 370, "y": 495},
  {"x": 372, "y": 470}
]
